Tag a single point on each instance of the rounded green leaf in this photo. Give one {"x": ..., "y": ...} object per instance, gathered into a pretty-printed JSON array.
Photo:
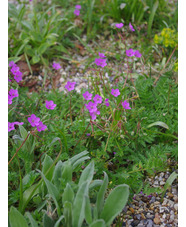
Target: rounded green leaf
[{"x": 16, "y": 218}]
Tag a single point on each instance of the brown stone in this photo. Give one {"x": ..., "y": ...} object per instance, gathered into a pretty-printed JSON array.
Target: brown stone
[{"x": 157, "y": 219}]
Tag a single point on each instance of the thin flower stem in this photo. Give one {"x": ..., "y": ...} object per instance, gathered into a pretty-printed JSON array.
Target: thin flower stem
[{"x": 19, "y": 149}]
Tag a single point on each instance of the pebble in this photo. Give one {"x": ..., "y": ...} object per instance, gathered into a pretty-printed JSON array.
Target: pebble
[
  {"x": 162, "y": 182},
  {"x": 176, "y": 206}
]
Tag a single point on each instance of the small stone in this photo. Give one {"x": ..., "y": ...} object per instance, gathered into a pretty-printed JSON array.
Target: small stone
[
  {"x": 172, "y": 217},
  {"x": 164, "y": 215},
  {"x": 161, "y": 174},
  {"x": 138, "y": 216},
  {"x": 164, "y": 201},
  {"x": 176, "y": 206},
  {"x": 135, "y": 223},
  {"x": 131, "y": 209},
  {"x": 162, "y": 182},
  {"x": 156, "y": 203},
  {"x": 150, "y": 223},
  {"x": 163, "y": 209},
  {"x": 150, "y": 216},
  {"x": 153, "y": 199},
  {"x": 156, "y": 182},
  {"x": 61, "y": 80},
  {"x": 175, "y": 198},
  {"x": 157, "y": 219},
  {"x": 143, "y": 216},
  {"x": 171, "y": 203}
]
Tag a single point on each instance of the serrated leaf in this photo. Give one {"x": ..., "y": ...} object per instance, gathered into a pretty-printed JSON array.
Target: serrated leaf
[
  {"x": 158, "y": 123},
  {"x": 16, "y": 218}
]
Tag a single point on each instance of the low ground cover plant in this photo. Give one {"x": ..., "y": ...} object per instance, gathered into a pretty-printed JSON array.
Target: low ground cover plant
[{"x": 126, "y": 129}]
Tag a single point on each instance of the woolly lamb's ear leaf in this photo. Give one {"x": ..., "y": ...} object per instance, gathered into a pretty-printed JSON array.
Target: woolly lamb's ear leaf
[
  {"x": 98, "y": 223},
  {"x": 68, "y": 194},
  {"x": 101, "y": 194},
  {"x": 78, "y": 156},
  {"x": 78, "y": 210},
  {"x": 87, "y": 174},
  {"x": 78, "y": 162},
  {"x": 67, "y": 172},
  {"x": 114, "y": 203},
  {"x": 52, "y": 190},
  {"x": 46, "y": 165},
  {"x": 16, "y": 218},
  {"x": 57, "y": 173},
  {"x": 67, "y": 213},
  {"x": 88, "y": 213},
  {"x": 32, "y": 221}
]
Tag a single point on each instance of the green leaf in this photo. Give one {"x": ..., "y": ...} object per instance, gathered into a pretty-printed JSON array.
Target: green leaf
[
  {"x": 87, "y": 174},
  {"x": 43, "y": 47},
  {"x": 101, "y": 194},
  {"x": 78, "y": 210},
  {"x": 14, "y": 59},
  {"x": 98, "y": 223},
  {"x": 114, "y": 203},
  {"x": 95, "y": 183},
  {"x": 32, "y": 221},
  {"x": 61, "y": 49},
  {"x": 88, "y": 213},
  {"x": 35, "y": 36},
  {"x": 158, "y": 123},
  {"x": 58, "y": 221},
  {"x": 35, "y": 59},
  {"x": 52, "y": 190},
  {"x": 46, "y": 165},
  {"x": 28, "y": 192},
  {"x": 47, "y": 221},
  {"x": 68, "y": 213},
  {"x": 16, "y": 218},
  {"x": 23, "y": 132},
  {"x": 78, "y": 162},
  {"x": 68, "y": 194},
  {"x": 78, "y": 156},
  {"x": 151, "y": 17},
  {"x": 67, "y": 172},
  {"x": 57, "y": 173}
]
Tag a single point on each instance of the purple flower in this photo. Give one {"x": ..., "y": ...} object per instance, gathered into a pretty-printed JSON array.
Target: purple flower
[
  {"x": 93, "y": 114},
  {"x": 77, "y": 12},
  {"x": 100, "y": 62},
  {"x": 11, "y": 64},
  {"x": 87, "y": 95},
  {"x": 70, "y": 85},
  {"x": 18, "y": 123},
  {"x": 10, "y": 126},
  {"x": 88, "y": 134},
  {"x": 114, "y": 153},
  {"x": 131, "y": 27},
  {"x": 120, "y": 25},
  {"x": 18, "y": 76},
  {"x": 115, "y": 92},
  {"x": 10, "y": 99},
  {"x": 78, "y": 6},
  {"x": 102, "y": 55},
  {"x": 106, "y": 102},
  {"x": 130, "y": 52},
  {"x": 50, "y": 105},
  {"x": 13, "y": 93},
  {"x": 9, "y": 80},
  {"x": 125, "y": 105},
  {"x": 137, "y": 54},
  {"x": 92, "y": 107},
  {"x": 97, "y": 99},
  {"x": 41, "y": 127},
  {"x": 14, "y": 69},
  {"x": 56, "y": 66},
  {"x": 33, "y": 120}
]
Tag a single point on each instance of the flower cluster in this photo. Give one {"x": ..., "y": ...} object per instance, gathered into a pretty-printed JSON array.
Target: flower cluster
[
  {"x": 168, "y": 38},
  {"x": 101, "y": 61},
  {"x": 12, "y": 94},
  {"x": 56, "y": 66},
  {"x": 11, "y": 126},
  {"x": 132, "y": 52},
  {"x": 15, "y": 71},
  {"x": 92, "y": 106},
  {"x": 77, "y": 10},
  {"x": 120, "y": 25},
  {"x": 35, "y": 122}
]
